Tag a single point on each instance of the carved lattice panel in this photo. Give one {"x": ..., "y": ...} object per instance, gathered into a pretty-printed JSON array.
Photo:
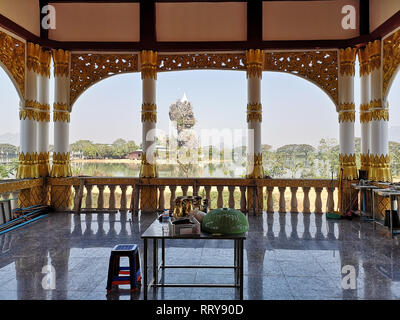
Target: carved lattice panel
[
  {"x": 12, "y": 55},
  {"x": 319, "y": 67},
  {"x": 391, "y": 59},
  {"x": 192, "y": 61},
  {"x": 88, "y": 69}
]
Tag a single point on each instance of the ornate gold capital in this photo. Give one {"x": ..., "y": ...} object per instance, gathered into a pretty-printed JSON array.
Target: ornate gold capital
[
  {"x": 61, "y": 62},
  {"x": 33, "y": 57},
  {"x": 379, "y": 169},
  {"x": 374, "y": 49},
  {"x": 377, "y": 111},
  {"x": 149, "y": 64},
  {"x": 363, "y": 58},
  {"x": 347, "y": 112},
  {"x": 43, "y": 112},
  {"x": 61, "y": 112},
  {"x": 149, "y": 112},
  {"x": 254, "y": 62},
  {"x": 348, "y": 164},
  {"x": 254, "y": 112},
  {"x": 61, "y": 165},
  {"x": 45, "y": 58},
  {"x": 27, "y": 165},
  {"x": 148, "y": 170},
  {"x": 347, "y": 58},
  {"x": 255, "y": 167}
]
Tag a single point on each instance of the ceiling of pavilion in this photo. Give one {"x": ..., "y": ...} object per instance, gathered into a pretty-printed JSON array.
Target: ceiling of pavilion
[{"x": 178, "y": 24}]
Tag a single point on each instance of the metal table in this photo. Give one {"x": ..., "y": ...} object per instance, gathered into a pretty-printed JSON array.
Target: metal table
[
  {"x": 364, "y": 189},
  {"x": 155, "y": 232},
  {"x": 393, "y": 195}
]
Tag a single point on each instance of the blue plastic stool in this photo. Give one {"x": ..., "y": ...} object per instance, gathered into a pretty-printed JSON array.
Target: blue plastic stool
[{"x": 118, "y": 275}]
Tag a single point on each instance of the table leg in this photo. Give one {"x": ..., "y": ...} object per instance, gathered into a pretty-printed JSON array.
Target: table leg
[
  {"x": 235, "y": 258},
  {"x": 145, "y": 269},
  {"x": 163, "y": 252},
  {"x": 391, "y": 220},
  {"x": 241, "y": 269},
  {"x": 373, "y": 210},
  {"x": 155, "y": 260}
]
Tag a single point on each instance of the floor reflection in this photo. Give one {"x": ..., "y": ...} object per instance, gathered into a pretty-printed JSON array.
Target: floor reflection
[{"x": 287, "y": 256}]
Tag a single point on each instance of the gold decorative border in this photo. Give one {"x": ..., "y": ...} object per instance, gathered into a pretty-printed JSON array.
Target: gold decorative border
[
  {"x": 319, "y": 67},
  {"x": 254, "y": 112},
  {"x": 379, "y": 169},
  {"x": 88, "y": 69},
  {"x": 347, "y": 58},
  {"x": 391, "y": 59},
  {"x": 12, "y": 56},
  {"x": 45, "y": 59},
  {"x": 149, "y": 112},
  {"x": 363, "y": 58},
  {"x": 61, "y": 62},
  {"x": 44, "y": 164},
  {"x": 149, "y": 64},
  {"x": 365, "y": 113},
  {"x": 61, "y": 165},
  {"x": 254, "y": 62},
  {"x": 348, "y": 164},
  {"x": 347, "y": 112},
  {"x": 33, "y": 57},
  {"x": 255, "y": 162},
  {"x": 27, "y": 165},
  {"x": 374, "y": 49},
  {"x": 364, "y": 158},
  {"x": 148, "y": 170},
  {"x": 61, "y": 112}
]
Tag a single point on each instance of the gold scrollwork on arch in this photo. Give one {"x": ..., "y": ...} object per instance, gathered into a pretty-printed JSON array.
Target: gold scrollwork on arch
[
  {"x": 12, "y": 55},
  {"x": 391, "y": 59},
  {"x": 320, "y": 67},
  {"x": 89, "y": 68},
  {"x": 192, "y": 61}
]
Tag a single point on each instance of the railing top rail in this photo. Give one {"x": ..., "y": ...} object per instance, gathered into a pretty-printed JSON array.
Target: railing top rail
[{"x": 16, "y": 185}]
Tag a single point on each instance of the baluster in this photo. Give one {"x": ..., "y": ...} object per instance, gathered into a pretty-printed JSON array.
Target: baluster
[
  {"x": 243, "y": 202},
  {"x": 318, "y": 200},
  {"x": 208, "y": 195},
  {"x": 14, "y": 196},
  {"x": 161, "y": 200},
  {"x": 330, "y": 202},
  {"x": 220, "y": 199},
  {"x": 172, "y": 199},
  {"x": 184, "y": 190},
  {"x": 282, "y": 201},
  {"x": 123, "y": 197},
  {"x": 231, "y": 201},
  {"x": 100, "y": 200},
  {"x": 196, "y": 189},
  {"x": 306, "y": 200},
  {"x": 293, "y": 201},
  {"x": 88, "y": 203},
  {"x": 260, "y": 200},
  {"x": 111, "y": 202},
  {"x": 135, "y": 198},
  {"x": 76, "y": 189},
  {"x": 270, "y": 200}
]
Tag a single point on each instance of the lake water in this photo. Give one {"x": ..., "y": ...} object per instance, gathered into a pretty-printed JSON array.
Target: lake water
[{"x": 220, "y": 170}]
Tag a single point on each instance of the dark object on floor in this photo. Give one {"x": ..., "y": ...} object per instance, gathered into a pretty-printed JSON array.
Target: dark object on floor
[
  {"x": 395, "y": 219},
  {"x": 118, "y": 275}
]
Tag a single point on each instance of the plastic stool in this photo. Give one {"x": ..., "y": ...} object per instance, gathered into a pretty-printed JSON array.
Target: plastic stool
[{"x": 118, "y": 275}]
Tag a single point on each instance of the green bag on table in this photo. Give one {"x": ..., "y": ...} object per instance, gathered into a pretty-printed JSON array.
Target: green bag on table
[{"x": 225, "y": 221}]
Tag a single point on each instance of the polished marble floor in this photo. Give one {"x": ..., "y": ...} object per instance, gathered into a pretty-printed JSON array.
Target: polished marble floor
[{"x": 287, "y": 256}]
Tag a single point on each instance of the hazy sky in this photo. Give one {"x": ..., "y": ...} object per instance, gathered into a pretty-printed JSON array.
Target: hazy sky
[{"x": 294, "y": 110}]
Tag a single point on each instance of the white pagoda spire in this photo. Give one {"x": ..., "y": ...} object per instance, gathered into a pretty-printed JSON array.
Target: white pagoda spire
[{"x": 184, "y": 98}]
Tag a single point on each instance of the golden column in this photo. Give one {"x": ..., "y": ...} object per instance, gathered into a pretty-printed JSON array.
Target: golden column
[
  {"x": 28, "y": 115},
  {"x": 255, "y": 170},
  {"x": 365, "y": 112},
  {"x": 379, "y": 157},
  {"x": 148, "y": 169},
  {"x": 44, "y": 114},
  {"x": 346, "y": 109}
]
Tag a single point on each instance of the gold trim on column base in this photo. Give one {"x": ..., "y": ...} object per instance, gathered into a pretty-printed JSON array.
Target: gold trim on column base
[
  {"x": 254, "y": 62},
  {"x": 148, "y": 170},
  {"x": 348, "y": 164},
  {"x": 258, "y": 171},
  {"x": 28, "y": 165},
  {"x": 379, "y": 169},
  {"x": 61, "y": 165},
  {"x": 364, "y": 162},
  {"x": 44, "y": 164}
]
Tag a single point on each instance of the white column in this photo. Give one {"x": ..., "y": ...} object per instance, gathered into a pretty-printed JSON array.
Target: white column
[
  {"x": 254, "y": 60},
  {"x": 365, "y": 112},
  {"x": 148, "y": 167},
  {"x": 61, "y": 115},
  {"x": 44, "y": 114},
  {"x": 28, "y": 157},
  {"x": 379, "y": 159},
  {"x": 347, "y": 157}
]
